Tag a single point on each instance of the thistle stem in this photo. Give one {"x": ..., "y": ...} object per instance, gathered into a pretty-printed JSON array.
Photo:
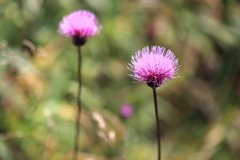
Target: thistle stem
[
  {"x": 158, "y": 124},
  {"x": 78, "y": 117}
]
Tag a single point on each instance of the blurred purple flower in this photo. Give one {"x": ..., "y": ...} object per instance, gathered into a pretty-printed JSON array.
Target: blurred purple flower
[
  {"x": 153, "y": 66},
  {"x": 79, "y": 24},
  {"x": 126, "y": 110}
]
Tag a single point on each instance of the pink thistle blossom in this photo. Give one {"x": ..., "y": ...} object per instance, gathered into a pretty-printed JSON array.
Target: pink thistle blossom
[
  {"x": 153, "y": 66},
  {"x": 79, "y": 24},
  {"x": 126, "y": 110}
]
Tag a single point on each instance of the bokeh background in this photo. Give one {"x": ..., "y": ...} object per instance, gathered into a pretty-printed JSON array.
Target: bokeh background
[{"x": 199, "y": 111}]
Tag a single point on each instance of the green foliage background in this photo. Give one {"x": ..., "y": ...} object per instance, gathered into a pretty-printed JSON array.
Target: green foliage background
[{"x": 199, "y": 111}]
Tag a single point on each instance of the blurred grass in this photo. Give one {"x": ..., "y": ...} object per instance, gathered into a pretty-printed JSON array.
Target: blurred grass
[{"x": 199, "y": 111}]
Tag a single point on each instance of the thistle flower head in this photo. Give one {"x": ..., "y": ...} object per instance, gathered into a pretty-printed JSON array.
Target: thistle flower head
[
  {"x": 153, "y": 66},
  {"x": 126, "y": 110},
  {"x": 79, "y": 24}
]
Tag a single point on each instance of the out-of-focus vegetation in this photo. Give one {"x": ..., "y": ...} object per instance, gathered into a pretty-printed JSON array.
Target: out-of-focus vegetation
[{"x": 199, "y": 111}]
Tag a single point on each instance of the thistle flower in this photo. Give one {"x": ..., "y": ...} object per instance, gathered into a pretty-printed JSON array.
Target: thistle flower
[
  {"x": 79, "y": 25},
  {"x": 126, "y": 110},
  {"x": 153, "y": 66}
]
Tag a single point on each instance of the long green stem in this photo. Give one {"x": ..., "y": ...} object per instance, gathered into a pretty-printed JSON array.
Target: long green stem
[
  {"x": 76, "y": 145},
  {"x": 158, "y": 124}
]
